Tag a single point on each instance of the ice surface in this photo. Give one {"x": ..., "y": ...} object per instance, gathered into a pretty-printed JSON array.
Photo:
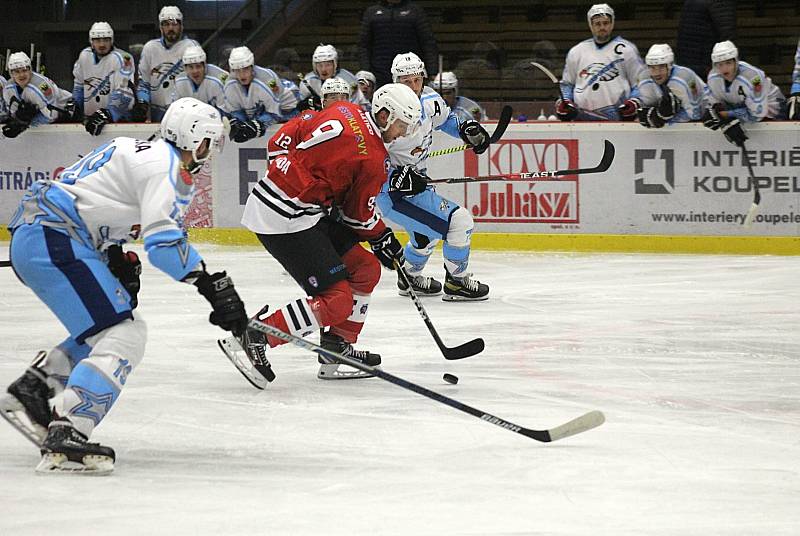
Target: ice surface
[{"x": 695, "y": 360}]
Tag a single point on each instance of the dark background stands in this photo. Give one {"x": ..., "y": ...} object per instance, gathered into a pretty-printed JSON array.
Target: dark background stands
[{"x": 703, "y": 24}]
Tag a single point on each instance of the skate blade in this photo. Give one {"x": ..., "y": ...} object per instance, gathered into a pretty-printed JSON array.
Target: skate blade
[
  {"x": 332, "y": 372},
  {"x": 419, "y": 293},
  {"x": 13, "y": 412},
  {"x": 456, "y": 298},
  {"x": 236, "y": 354},
  {"x": 54, "y": 463}
]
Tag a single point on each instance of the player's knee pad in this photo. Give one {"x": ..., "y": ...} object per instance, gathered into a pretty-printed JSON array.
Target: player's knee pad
[
  {"x": 459, "y": 233},
  {"x": 363, "y": 268},
  {"x": 123, "y": 341}
]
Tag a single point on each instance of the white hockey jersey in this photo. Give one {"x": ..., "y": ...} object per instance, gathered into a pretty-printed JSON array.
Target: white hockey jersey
[
  {"x": 211, "y": 90},
  {"x": 311, "y": 85},
  {"x": 796, "y": 72},
  {"x": 41, "y": 92},
  {"x": 123, "y": 190},
  {"x": 260, "y": 100},
  {"x": 469, "y": 109},
  {"x": 104, "y": 82},
  {"x": 751, "y": 96},
  {"x": 289, "y": 99},
  {"x": 159, "y": 66},
  {"x": 598, "y": 78},
  {"x": 684, "y": 84},
  {"x": 3, "y": 107},
  {"x": 413, "y": 149}
]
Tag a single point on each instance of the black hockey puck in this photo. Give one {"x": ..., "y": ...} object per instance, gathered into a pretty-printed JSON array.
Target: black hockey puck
[{"x": 449, "y": 378}]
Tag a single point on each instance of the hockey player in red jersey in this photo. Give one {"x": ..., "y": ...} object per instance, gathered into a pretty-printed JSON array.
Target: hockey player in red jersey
[{"x": 311, "y": 210}]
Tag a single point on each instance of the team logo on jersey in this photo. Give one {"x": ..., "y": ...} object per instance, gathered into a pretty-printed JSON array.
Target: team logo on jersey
[
  {"x": 693, "y": 87},
  {"x": 306, "y": 116},
  {"x": 46, "y": 89},
  {"x": 223, "y": 77},
  {"x": 273, "y": 85},
  {"x": 757, "y": 87},
  {"x": 598, "y": 72},
  {"x": 416, "y": 150},
  {"x": 97, "y": 86},
  {"x": 127, "y": 61},
  {"x": 186, "y": 177}
]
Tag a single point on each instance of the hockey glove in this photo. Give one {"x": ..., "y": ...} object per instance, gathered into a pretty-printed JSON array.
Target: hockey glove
[
  {"x": 407, "y": 181},
  {"x": 242, "y": 131},
  {"x": 711, "y": 119},
  {"x": 627, "y": 110},
  {"x": 669, "y": 105},
  {"x": 648, "y": 117},
  {"x": 228, "y": 313},
  {"x": 473, "y": 133},
  {"x": 14, "y": 128},
  {"x": 126, "y": 266},
  {"x": 26, "y": 112},
  {"x": 95, "y": 122},
  {"x": 387, "y": 249},
  {"x": 139, "y": 112},
  {"x": 566, "y": 110},
  {"x": 794, "y": 106},
  {"x": 734, "y": 133}
]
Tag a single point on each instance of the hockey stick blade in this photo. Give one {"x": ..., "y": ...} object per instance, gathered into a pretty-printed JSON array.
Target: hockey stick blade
[
  {"x": 608, "y": 157},
  {"x": 469, "y": 348},
  {"x": 499, "y": 130},
  {"x": 586, "y": 422},
  {"x": 5, "y": 264}
]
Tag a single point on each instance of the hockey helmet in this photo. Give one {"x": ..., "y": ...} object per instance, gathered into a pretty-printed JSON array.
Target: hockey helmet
[
  {"x": 170, "y": 13},
  {"x": 240, "y": 58},
  {"x": 724, "y": 50},
  {"x": 366, "y": 76},
  {"x": 600, "y": 10},
  {"x": 407, "y": 64},
  {"x": 445, "y": 81},
  {"x": 187, "y": 122},
  {"x": 660, "y": 54},
  {"x": 101, "y": 30},
  {"x": 194, "y": 54},
  {"x": 335, "y": 85},
  {"x": 401, "y": 102},
  {"x": 18, "y": 60}
]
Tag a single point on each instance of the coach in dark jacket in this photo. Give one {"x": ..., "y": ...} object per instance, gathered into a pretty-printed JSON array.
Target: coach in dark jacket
[
  {"x": 390, "y": 28},
  {"x": 704, "y": 23}
]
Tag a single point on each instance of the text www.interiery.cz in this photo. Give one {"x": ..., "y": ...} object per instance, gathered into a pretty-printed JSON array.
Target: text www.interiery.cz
[{"x": 723, "y": 217}]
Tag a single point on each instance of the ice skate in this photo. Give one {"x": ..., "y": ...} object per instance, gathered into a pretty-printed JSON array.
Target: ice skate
[
  {"x": 464, "y": 289},
  {"x": 26, "y": 407},
  {"x": 423, "y": 286},
  {"x": 66, "y": 450},
  {"x": 248, "y": 354},
  {"x": 330, "y": 370}
]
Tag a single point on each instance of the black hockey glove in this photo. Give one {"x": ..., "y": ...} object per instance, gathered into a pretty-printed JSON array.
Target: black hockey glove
[
  {"x": 242, "y": 131},
  {"x": 711, "y": 119},
  {"x": 14, "y": 128},
  {"x": 648, "y": 117},
  {"x": 26, "y": 112},
  {"x": 387, "y": 249},
  {"x": 734, "y": 133},
  {"x": 126, "y": 266},
  {"x": 228, "y": 313},
  {"x": 473, "y": 133},
  {"x": 669, "y": 105},
  {"x": 139, "y": 112},
  {"x": 566, "y": 110},
  {"x": 794, "y": 106},
  {"x": 95, "y": 122},
  {"x": 407, "y": 181},
  {"x": 627, "y": 110}
]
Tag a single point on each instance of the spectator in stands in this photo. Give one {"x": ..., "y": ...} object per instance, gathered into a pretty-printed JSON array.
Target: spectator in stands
[
  {"x": 703, "y": 23},
  {"x": 160, "y": 65},
  {"x": 32, "y": 99},
  {"x": 391, "y": 28},
  {"x": 600, "y": 73},
  {"x": 325, "y": 65},
  {"x": 794, "y": 98},
  {"x": 200, "y": 80},
  {"x": 668, "y": 93},
  {"x": 446, "y": 84},
  {"x": 103, "y": 80},
  {"x": 366, "y": 85},
  {"x": 739, "y": 92}
]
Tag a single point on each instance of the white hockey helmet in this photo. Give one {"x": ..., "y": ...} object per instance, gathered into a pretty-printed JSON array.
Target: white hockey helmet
[
  {"x": 724, "y": 50},
  {"x": 599, "y": 9},
  {"x": 335, "y": 85},
  {"x": 366, "y": 76},
  {"x": 18, "y": 60},
  {"x": 406, "y": 64},
  {"x": 445, "y": 81},
  {"x": 170, "y": 13},
  {"x": 188, "y": 121},
  {"x": 194, "y": 54},
  {"x": 325, "y": 53},
  {"x": 240, "y": 58},
  {"x": 660, "y": 54},
  {"x": 401, "y": 102},
  {"x": 101, "y": 30}
]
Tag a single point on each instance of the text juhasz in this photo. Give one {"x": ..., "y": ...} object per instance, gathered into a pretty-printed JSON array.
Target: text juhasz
[{"x": 722, "y": 184}]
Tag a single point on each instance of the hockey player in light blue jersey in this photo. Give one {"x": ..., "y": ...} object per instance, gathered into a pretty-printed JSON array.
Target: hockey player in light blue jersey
[
  {"x": 407, "y": 199},
  {"x": 738, "y": 92},
  {"x": 103, "y": 80},
  {"x": 159, "y": 66},
  {"x": 669, "y": 93},
  {"x": 446, "y": 84},
  {"x": 3, "y": 107},
  {"x": 66, "y": 246},
  {"x": 794, "y": 97},
  {"x": 202, "y": 81},
  {"x": 325, "y": 65},
  {"x": 32, "y": 99}
]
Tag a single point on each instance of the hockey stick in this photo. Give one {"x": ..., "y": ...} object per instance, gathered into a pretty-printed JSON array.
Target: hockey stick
[
  {"x": 5, "y": 264},
  {"x": 605, "y": 162},
  {"x": 553, "y": 79},
  {"x": 585, "y": 422},
  {"x": 499, "y": 130},
  {"x": 469, "y": 348},
  {"x": 751, "y": 214}
]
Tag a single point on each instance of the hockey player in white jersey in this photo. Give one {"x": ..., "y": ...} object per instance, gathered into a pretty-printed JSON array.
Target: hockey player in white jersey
[
  {"x": 159, "y": 66},
  {"x": 32, "y": 99},
  {"x": 794, "y": 92},
  {"x": 407, "y": 199},
  {"x": 669, "y": 93},
  {"x": 738, "y": 92},
  {"x": 600, "y": 74},
  {"x": 446, "y": 84},
  {"x": 325, "y": 65},
  {"x": 103, "y": 75},
  {"x": 66, "y": 247},
  {"x": 366, "y": 85},
  {"x": 200, "y": 80},
  {"x": 3, "y": 107}
]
